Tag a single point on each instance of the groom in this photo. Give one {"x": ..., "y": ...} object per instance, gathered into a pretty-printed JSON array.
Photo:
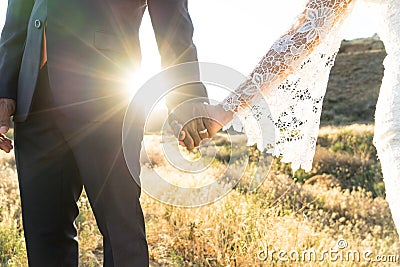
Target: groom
[{"x": 62, "y": 69}]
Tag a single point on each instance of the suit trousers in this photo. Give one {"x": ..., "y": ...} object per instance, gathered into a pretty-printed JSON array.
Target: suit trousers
[{"x": 56, "y": 157}]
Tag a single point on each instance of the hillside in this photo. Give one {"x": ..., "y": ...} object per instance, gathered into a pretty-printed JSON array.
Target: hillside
[{"x": 354, "y": 82}]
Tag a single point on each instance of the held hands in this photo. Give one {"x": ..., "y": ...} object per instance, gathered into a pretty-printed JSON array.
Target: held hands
[
  {"x": 7, "y": 108},
  {"x": 198, "y": 121}
]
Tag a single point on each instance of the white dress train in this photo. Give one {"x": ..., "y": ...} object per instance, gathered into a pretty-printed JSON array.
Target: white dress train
[
  {"x": 292, "y": 78},
  {"x": 387, "y": 114}
]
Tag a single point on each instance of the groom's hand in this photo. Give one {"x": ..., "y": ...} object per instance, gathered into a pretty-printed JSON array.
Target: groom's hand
[
  {"x": 214, "y": 119},
  {"x": 189, "y": 122},
  {"x": 7, "y": 108}
]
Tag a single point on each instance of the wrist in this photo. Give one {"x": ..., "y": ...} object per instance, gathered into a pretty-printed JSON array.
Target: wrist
[{"x": 224, "y": 116}]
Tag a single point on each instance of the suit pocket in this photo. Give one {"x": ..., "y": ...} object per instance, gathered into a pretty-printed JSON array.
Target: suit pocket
[
  {"x": 107, "y": 41},
  {"x": 123, "y": 54}
]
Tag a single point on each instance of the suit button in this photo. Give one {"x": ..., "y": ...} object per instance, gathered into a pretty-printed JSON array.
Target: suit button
[{"x": 38, "y": 24}]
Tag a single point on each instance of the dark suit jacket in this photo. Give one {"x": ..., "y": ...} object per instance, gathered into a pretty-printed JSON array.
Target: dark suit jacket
[{"x": 91, "y": 45}]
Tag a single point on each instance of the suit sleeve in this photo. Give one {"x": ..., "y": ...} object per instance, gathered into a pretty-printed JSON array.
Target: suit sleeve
[
  {"x": 173, "y": 29},
  {"x": 12, "y": 44}
]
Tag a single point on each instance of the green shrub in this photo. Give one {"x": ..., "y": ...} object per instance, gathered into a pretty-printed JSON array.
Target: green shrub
[{"x": 12, "y": 247}]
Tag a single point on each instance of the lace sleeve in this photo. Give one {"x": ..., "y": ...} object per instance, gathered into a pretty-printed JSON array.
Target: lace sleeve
[
  {"x": 279, "y": 105},
  {"x": 289, "y": 51}
]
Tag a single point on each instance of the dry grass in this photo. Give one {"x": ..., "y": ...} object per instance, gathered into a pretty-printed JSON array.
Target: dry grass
[{"x": 312, "y": 212}]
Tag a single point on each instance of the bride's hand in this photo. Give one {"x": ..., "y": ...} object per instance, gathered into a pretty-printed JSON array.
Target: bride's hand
[{"x": 218, "y": 117}]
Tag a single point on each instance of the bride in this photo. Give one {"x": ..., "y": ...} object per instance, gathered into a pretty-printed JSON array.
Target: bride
[{"x": 286, "y": 89}]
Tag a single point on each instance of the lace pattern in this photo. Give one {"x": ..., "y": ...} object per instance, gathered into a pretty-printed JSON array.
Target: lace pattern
[{"x": 279, "y": 105}]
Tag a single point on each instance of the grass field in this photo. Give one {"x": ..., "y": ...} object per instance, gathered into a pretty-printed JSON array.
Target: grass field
[{"x": 340, "y": 202}]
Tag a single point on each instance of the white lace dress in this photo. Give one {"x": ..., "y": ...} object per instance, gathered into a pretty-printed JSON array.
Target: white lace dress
[{"x": 292, "y": 78}]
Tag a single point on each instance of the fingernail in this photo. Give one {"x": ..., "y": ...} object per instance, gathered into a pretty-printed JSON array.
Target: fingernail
[{"x": 3, "y": 129}]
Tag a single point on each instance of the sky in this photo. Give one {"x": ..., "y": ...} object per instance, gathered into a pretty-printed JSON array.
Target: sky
[{"x": 237, "y": 33}]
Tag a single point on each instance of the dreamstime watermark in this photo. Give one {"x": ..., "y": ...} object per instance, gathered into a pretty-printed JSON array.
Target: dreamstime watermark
[
  {"x": 340, "y": 253},
  {"x": 137, "y": 116}
]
